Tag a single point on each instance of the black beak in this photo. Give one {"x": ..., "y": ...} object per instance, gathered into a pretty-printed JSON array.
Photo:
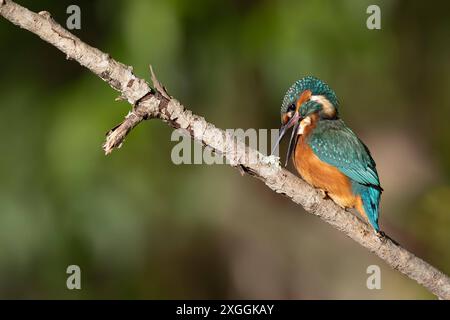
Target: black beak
[{"x": 294, "y": 121}]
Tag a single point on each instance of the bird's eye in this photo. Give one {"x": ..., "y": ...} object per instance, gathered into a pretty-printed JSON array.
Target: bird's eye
[{"x": 291, "y": 108}]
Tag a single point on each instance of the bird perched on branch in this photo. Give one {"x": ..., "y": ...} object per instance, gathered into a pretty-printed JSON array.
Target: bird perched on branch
[{"x": 326, "y": 153}]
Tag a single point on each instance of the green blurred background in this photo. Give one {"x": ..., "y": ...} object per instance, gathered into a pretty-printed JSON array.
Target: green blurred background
[{"x": 141, "y": 227}]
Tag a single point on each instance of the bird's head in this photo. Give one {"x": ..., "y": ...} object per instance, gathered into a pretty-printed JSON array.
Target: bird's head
[{"x": 308, "y": 98}]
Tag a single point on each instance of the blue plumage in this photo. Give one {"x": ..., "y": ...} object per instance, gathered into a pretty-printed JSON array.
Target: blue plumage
[{"x": 371, "y": 200}]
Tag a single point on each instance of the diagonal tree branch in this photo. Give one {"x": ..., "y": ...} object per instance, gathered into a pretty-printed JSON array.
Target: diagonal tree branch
[{"x": 151, "y": 103}]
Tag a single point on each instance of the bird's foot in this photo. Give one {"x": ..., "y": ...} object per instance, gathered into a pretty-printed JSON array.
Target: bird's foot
[{"x": 324, "y": 194}]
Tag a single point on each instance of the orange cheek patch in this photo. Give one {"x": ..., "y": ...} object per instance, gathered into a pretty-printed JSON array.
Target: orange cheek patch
[
  {"x": 305, "y": 96},
  {"x": 285, "y": 118}
]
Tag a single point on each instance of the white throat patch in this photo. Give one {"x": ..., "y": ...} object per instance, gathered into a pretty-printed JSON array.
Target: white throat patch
[{"x": 303, "y": 124}]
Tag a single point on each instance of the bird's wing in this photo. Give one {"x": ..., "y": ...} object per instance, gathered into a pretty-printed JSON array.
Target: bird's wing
[{"x": 334, "y": 143}]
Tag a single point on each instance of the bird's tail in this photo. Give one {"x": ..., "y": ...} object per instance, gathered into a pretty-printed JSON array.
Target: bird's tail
[{"x": 371, "y": 201}]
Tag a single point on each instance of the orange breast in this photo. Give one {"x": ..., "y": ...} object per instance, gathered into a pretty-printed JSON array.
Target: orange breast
[{"x": 322, "y": 175}]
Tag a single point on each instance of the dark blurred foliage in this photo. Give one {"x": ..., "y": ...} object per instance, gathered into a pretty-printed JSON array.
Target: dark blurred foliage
[{"x": 140, "y": 226}]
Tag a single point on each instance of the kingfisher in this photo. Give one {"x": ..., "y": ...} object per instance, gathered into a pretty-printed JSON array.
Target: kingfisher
[{"x": 326, "y": 153}]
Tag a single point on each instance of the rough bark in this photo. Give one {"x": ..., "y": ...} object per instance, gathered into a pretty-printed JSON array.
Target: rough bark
[{"x": 154, "y": 102}]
